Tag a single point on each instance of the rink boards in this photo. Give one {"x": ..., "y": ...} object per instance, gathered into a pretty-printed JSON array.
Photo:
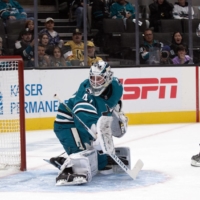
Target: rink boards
[{"x": 151, "y": 95}]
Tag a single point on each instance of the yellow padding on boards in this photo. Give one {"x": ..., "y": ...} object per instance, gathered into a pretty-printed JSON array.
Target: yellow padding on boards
[
  {"x": 161, "y": 117},
  {"x": 134, "y": 119},
  {"x": 39, "y": 123}
]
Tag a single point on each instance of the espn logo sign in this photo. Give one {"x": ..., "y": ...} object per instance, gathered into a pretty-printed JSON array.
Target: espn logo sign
[{"x": 139, "y": 88}]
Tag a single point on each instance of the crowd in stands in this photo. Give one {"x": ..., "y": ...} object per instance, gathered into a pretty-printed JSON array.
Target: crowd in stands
[
  {"x": 10, "y": 9},
  {"x": 154, "y": 52},
  {"x": 54, "y": 52}
]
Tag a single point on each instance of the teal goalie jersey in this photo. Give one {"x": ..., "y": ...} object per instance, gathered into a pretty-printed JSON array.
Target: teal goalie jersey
[{"x": 88, "y": 107}]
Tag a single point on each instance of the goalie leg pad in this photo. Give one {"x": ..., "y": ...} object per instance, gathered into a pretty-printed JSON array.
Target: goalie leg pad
[
  {"x": 87, "y": 161},
  {"x": 124, "y": 155},
  {"x": 105, "y": 134},
  {"x": 78, "y": 168},
  {"x": 66, "y": 175}
]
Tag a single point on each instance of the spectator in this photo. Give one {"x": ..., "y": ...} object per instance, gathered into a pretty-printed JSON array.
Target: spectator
[
  {"x": 30, "y": 25},
  {"x": 160, "y": 9},
  {"x": 177, "y": 39},
  {"x": 79, "y": 13},
  {"x": 181, "y": 57},
  {"x": 99, "y": 12},
  {"x": 53, "y": 36},
  {"x": 75, "y": 47},
  {"x": 92, "y": 58},
  {"x": 181, "y": 10},
  {"x": 165, "y": 55},
  {"x": 10, "y": 9},
  {"x": 43, "y": 59},
  {"x": 44, "y": 41},
  {"x": 25, "y": 46},
  {"x": 122, "y": 9},
  {"x": 57, "y": 60},
  {"x": 150, "y": 49},
  {"x": 64, "y": 7}
]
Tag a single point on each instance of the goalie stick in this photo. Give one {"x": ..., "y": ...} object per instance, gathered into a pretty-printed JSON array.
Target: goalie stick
[
  {"x": 106, "y": 142},
  {"x": 139, "y": 164},
  {"x": 56, "y": 164}
]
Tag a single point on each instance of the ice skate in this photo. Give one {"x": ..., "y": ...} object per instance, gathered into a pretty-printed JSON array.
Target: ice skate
[
  {"x": 57, "y": 161},
  {"x": 68, "y": 178},
  {"x": 195, "y": 160}
]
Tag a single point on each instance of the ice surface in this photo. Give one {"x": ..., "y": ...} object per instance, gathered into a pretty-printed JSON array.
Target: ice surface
[{"x": 166, "y": 151}]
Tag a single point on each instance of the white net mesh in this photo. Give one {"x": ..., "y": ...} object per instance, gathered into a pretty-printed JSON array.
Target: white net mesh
[{"x": 9, "y": 115}]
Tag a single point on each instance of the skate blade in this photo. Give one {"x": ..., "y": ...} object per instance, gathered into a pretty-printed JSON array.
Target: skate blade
[{"x": 77, "y": 181}]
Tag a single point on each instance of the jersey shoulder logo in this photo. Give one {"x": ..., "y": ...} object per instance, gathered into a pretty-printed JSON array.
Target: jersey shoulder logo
[{"x": 117, "y": 80}]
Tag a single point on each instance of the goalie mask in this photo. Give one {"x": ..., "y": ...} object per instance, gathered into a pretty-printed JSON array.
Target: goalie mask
[{"x": 100, "y": 77}]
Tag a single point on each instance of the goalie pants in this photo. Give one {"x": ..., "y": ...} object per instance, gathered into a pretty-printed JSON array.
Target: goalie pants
[{"x": 64, "y": 133}]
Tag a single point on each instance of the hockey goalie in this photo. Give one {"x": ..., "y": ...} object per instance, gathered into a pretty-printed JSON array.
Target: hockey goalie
[{"x": 96, "y": 105}]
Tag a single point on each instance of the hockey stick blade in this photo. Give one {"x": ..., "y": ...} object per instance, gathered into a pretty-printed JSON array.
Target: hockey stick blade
[
  {"x": 132, "y": 173},
  {"x": 136, "y": 169}
]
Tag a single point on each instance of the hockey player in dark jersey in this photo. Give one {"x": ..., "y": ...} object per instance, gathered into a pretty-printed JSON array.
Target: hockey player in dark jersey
[{"x": 96, "y": 96}]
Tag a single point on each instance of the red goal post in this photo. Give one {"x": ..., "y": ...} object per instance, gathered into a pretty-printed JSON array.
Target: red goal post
[{"x": 12, "y": 114}]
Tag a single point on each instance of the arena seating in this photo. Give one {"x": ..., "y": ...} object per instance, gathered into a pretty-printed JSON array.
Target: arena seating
[
  {"x": 195, "y": 24},
  {"x": 171, "y": 25}
]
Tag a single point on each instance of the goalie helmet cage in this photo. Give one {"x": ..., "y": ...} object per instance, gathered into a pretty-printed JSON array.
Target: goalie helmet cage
[{"x": 12, "y": 114}]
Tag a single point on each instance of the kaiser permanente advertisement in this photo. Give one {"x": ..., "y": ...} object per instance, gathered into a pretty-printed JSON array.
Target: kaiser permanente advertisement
[{"x": 151, "y": 95}]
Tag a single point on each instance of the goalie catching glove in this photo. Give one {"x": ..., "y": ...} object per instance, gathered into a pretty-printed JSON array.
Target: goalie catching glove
[{"x": 115, "y": 125}]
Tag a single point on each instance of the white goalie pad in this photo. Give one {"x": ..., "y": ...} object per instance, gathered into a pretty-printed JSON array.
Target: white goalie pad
[
  {"x": 124, "y": 154},
  {"x": 85, "y": 162},
  {"x": 104, "y": 133}
]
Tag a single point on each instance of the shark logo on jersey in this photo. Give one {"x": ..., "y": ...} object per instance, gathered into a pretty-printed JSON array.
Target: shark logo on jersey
[
  {"x": 108, "y": 112},
  {"x": 88, "y": 90},
  {"x": 1, "y": 104},
  {"x": 122, "y": 13}
]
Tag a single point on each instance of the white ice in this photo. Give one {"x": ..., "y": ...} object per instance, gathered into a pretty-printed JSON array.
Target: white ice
[{"x": 166, "y": 151}]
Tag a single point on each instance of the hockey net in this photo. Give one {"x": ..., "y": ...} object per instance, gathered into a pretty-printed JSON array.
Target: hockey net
[{"x": 12, "y": 117}]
